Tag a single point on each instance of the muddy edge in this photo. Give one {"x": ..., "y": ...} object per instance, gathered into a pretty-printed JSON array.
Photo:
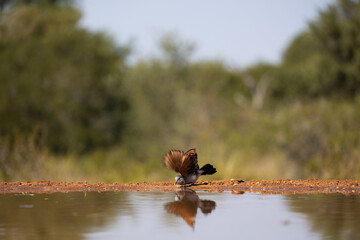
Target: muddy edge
[{"x": 236, "y": 186}]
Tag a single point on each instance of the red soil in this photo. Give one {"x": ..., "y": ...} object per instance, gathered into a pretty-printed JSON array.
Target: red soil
[{"x": 281, "y": 186}]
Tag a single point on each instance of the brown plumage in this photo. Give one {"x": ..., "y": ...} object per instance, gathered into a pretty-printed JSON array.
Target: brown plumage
[
  {"x": 185, "y": 208},
  {"x": 187, "y": 165},
  {"x": 187, "y": 205},
  {"x": 183, "y": 163}
]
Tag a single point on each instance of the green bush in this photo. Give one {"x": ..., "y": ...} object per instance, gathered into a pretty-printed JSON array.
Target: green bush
[{"x": 61, "y": 78}]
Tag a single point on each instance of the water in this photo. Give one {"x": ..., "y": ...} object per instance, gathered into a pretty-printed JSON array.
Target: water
[{"x": 180, "y": 215}]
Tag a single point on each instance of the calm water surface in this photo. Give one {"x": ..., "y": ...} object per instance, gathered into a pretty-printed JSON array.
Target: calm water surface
[{"x": 184, "y": 214}]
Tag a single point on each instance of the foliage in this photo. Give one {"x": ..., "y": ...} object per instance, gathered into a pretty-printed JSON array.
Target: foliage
[
  {"x": 300, "y": 74},
  {"x": 325, "y": 59},
  {"x": 6, "y": 5},
  {"x": 60, "y": 78},
  {"x": 325, "y": 213},
  {"x": 337, "y": 31},
  {"x": 66, "y": 90}
]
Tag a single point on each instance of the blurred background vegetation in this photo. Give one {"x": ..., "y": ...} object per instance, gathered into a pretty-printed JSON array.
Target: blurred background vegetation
[{"x": 72, "y": 108}]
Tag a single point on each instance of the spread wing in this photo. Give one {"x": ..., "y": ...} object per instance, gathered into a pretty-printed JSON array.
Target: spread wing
[
  {"x": 184, "y": 164},
  {"x": 190, "y": 163},
  {"x": 174, "y": 159}
]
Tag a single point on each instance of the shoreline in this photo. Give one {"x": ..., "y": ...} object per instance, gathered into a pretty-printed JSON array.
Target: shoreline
[{"x": 236, "y": 186}]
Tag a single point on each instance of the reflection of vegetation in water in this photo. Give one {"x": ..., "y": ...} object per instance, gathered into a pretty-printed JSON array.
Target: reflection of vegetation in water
[
  {"x": 335, "y": 216},
  {"x": 59, "y": 215}
]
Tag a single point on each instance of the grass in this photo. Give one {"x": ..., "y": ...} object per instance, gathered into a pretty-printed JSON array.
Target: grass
[{"x": 320, "y": 139}]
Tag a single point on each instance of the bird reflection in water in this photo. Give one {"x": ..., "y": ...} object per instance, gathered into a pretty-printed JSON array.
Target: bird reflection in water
[{"x": 186, "y": 206}]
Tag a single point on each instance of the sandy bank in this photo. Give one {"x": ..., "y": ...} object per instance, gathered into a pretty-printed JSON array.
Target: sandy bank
[{"x": 237, "y": 186}]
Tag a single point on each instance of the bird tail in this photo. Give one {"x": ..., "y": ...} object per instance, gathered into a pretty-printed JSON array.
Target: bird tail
[{"x": 208, "y": 169}]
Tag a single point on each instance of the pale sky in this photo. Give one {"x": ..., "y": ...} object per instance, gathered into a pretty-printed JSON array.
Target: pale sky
[{"x": 238, "y": 32}]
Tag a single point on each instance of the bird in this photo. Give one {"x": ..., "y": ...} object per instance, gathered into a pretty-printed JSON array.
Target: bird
[
  {"x": 187, "y": 165},
  {"x": 186, "y": 206}
]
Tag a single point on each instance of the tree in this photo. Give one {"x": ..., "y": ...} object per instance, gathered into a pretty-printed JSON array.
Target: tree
[
  {"x": 338, "y": 32},
  {"x": 324, "y": 60},
  {"x": 257, "y": 79},
  {"x": 59, "y": 77},
  {"x": 10, "y": 4},
  {"x": 301, "y": 73}
]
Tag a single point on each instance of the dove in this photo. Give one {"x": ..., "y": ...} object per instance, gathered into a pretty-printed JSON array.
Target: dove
[{"x": 187, "y": 165}]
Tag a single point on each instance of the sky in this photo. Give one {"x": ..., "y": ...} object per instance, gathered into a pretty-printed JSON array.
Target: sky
[{"x": 237, "y": 32}]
